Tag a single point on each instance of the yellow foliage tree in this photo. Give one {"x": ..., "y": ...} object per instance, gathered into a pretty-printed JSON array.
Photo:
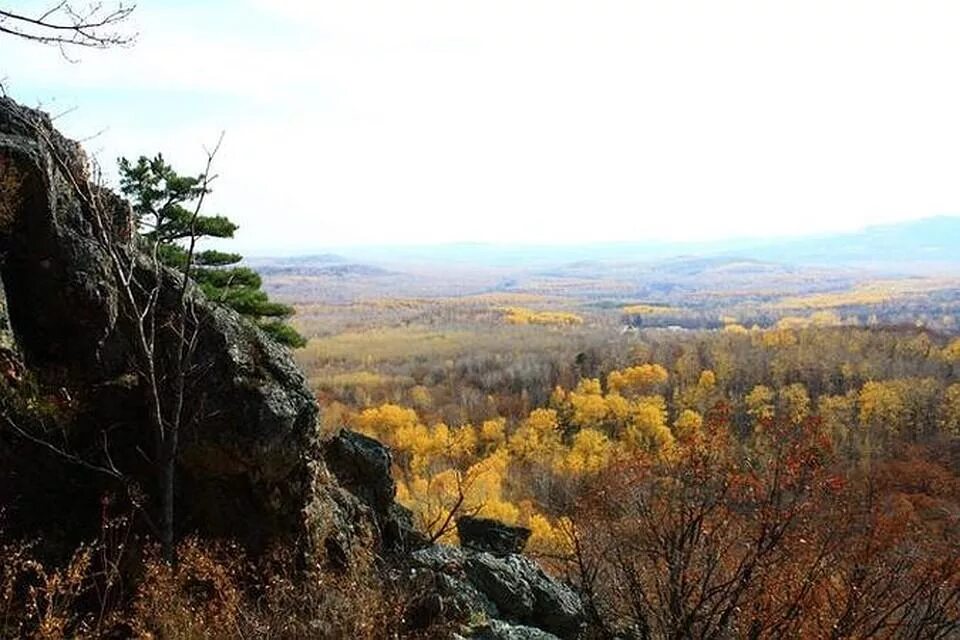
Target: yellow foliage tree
[
  {"x": 794, "y": 403},
  {"x": 590, "y": 408},
  {"x": 950, "y": 411},
  {"x": 418, "y": 444},
  {"x": 881, "y": 407},
  {"x": 760, "y": 403},
  {"x": 639, "y": 379},
  {"x": 538, "y": 437},
  {"x": 700, "y": 396},
  {"x": 383, "y": 421},
  {"x": 589, "y": 386},
  {"x": 590, "y": 451},
  {"x": 648, "y": 430},
  {"x": 547, "y": 538},
  {"x": 438, "y": 498},
  {"x": 618, "y": 407},
  {"x": 493, "y": 433},
  {"x": 708, "y": 380},
  {"x": 432, "y": 501},
  {"x": 521, "y": 315},
  {"x": 687, "y": 425},
  {"x": 951, "y": 353},
  {"x": 775, "y": 338},
  {"x": 838, "y": 413},
  {"x": 484, "y": 493},
  {"x": 421, "y": 397},
  {"x": 463, "y": 443}
]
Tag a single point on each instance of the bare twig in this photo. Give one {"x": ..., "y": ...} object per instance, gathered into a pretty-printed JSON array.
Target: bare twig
[
  {"x": 61, "y": 452},
  {"x": 64, "y": 26}
]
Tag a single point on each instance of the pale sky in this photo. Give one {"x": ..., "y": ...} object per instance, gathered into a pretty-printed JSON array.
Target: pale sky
[{"x": 361, "y": 122}]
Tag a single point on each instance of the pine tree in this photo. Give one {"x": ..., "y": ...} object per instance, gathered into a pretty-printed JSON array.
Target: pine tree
[{"x": 161, "y": 200}]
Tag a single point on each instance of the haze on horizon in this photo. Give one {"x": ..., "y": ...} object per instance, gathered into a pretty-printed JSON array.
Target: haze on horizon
[{"x": 543, "y": 122}]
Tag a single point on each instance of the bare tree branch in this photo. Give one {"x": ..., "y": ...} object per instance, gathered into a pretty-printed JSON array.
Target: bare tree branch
[
  {"x": 65, "y": 26},
  {"x": 63, "y": 453}
]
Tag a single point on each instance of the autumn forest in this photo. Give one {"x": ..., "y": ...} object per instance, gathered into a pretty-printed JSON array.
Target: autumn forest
[
  {"x": 385, "y": 320},
  {"x": 796, "y": 478}
]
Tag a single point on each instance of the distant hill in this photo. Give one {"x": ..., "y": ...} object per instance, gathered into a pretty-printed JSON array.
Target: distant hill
[
  {"x": 265, "y": 264},
  {"x": 908, "y": 247},
  {"x": 930, "y": 242}
]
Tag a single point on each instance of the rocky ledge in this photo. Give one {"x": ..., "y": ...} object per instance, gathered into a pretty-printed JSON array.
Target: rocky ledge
[{"x": 486, "y": 579}]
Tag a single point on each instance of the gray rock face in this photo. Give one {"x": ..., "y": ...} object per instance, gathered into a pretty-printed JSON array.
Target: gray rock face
[
  {"x": 521, "y": 588},
  {"x": 362, "y": 466},
  {"x": 502, "y": 583},
  {"x": 484, "y": 534},
  {"x": 500, "y": 630},
  {"x": 511, "y": 588},
  {"x": 249, "y": 457}
]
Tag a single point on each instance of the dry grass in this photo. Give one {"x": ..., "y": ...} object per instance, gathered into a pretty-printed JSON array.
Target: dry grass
[
  {"x": 391, "y": 343},
  {"x": 409, "y": 343},
  {"x": 213, "y": 592}
]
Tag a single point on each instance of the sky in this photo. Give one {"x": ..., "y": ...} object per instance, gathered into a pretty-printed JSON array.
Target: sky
[{"x": 354, "y": 122}]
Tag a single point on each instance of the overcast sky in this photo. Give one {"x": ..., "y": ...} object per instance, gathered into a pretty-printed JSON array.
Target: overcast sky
[{"x": 361, "y": 122}]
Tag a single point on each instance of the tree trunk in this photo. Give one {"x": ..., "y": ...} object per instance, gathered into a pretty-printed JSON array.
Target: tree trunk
[{"x": 167, "y": 489}]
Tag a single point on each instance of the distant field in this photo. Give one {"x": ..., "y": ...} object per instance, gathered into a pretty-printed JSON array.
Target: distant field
[{"x": 391, "y": 343}]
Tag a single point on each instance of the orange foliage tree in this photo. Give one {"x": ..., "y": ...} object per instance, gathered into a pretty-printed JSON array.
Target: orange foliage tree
[{"x": 721, "y": 539}]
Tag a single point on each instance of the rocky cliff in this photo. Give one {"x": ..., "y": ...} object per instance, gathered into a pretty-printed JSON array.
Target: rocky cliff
[
  {"x": 249, "y": 456},
  {"x": 251, "y": 466}
]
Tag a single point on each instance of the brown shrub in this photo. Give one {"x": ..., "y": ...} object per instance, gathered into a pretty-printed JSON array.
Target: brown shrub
[{"x": 213, "y": 591}]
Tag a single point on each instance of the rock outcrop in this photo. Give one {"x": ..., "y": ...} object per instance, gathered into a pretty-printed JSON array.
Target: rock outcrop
[
  {"x": 485, "y": 579},
  {"x": 362, "y": 466},
  {"x": 249, "y": 457},
  {"x": 251, "y": 465},
  {"x": 500, "y": 630},
  {"x": 511, "y": 589}
]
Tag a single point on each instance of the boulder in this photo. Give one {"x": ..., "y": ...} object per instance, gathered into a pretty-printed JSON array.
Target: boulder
[
  {"x": 362, "y": 466},
  {"x": 509, "y": 588},
  {"x": 500, "y": 630},
  {"x": 519, "y": 587},
  {"x": 485, "y": 534},
  {"x": 445, "y": 567}
]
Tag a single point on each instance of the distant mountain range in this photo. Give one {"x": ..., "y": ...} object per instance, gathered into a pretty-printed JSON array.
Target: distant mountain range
[
  {"x": 926, "y": 245},
  {"x": 921, "y": 244}
]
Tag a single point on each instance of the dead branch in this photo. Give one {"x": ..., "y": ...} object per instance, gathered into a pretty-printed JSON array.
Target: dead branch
[{"x": 66, "y": 26}]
